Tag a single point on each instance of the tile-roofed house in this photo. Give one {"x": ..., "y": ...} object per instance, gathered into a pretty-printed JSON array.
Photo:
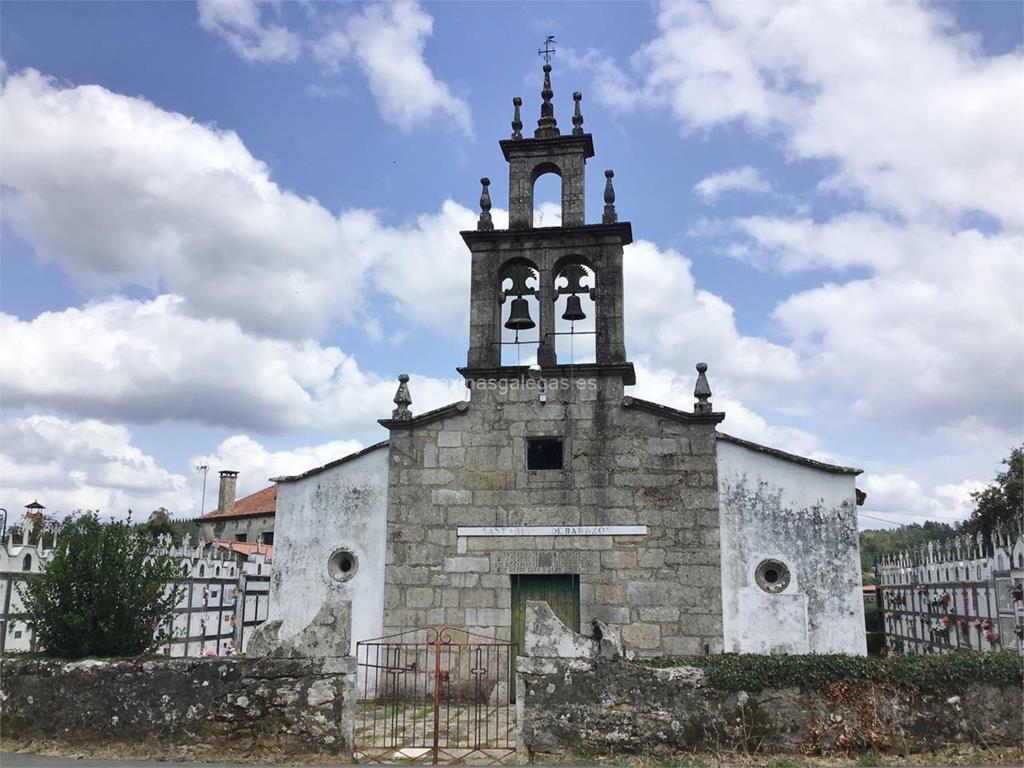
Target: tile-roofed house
[{"x": 249, "y": 519}]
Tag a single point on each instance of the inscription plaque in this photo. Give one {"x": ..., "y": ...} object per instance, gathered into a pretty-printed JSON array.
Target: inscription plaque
[{"x": 545, "y": 561}]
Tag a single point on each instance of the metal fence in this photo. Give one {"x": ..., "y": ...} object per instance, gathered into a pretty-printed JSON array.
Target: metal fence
[
  {"x": 964, "y": 594},
  {"x": 225, "y": 595}
]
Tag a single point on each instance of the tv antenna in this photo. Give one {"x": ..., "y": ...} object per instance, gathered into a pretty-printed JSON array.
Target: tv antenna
[
  {"x": 204, "y": 468},
  {"x": 548, "y": 50}
]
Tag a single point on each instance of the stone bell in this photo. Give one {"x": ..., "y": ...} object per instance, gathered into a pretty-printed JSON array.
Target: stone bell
[
  {"x": 519, "y": 316},
  {"x": 573, "y": 309}
]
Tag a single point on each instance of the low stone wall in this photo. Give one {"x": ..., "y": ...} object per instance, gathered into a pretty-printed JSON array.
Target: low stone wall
[
  {"x": 576, "y": 698},
  {"x": 230, "y": 706},
  {"x": 589, "y": 707}
]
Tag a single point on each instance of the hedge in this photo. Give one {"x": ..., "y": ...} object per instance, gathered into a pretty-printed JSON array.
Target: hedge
[{"x": 939, "y": 672}]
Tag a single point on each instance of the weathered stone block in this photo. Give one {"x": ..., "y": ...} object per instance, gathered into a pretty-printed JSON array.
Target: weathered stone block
[
  {"x": 641, "y": 636},
  {"x": 467, "y": 564},
  {"x": 419, "y": 597},
  {"x": 448, "y": 496}
]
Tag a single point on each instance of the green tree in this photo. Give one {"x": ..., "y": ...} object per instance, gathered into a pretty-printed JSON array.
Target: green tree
[
  {"x": 876, "y": 543},
  {"x": 104, "y": 591},
  {"x": 160, "y": 523},
  {"x": 1002, "y": 502}
]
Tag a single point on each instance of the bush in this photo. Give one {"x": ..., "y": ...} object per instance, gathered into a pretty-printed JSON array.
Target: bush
[
  {"x": 104, "y": 592},
  {"x": 940, "y": 672}
]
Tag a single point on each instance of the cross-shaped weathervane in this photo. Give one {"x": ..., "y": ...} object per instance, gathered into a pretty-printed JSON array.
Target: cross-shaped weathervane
[{"x": 548, "y": 50}]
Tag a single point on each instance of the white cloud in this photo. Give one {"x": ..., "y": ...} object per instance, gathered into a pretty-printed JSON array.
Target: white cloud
[
  {"x": 905, "y": 501},
  {"x": 240, "y": 23},
  {"x": 122, "y": 192},
  {"x": 256, "y": 465},
  {"x": 71, "y": 465},
  {"x": 387, "y": 41},
  {"x": 674, "y": 387},
  {"x": 677, "y": 324},
  {"x": 915, "y": 114},
  {"x": 149, "y": 361},
  {"x": 931, "y": 340},
  {"x": 746, "y": 178}
]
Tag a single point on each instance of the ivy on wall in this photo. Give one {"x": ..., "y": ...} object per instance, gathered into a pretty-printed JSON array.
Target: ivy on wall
[{"x": 940, "y": 672}]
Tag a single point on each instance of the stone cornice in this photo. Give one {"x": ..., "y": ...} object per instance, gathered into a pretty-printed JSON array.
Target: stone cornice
[
  {"x": 671, "y": 413},
  {"x": 425, "y": 418},
  {"x": 529, "y": 146},
  {"x": 582, "y": 370},
  {"x": 621, "y": 231}
]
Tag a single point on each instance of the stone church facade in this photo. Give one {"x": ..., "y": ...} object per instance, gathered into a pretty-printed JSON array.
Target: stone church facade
[{"x": 551, "y": 482}]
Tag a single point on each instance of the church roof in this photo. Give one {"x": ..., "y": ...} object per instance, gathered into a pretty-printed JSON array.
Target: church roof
[
  {"x": 825, "y": 467},
  {"x": 330, "y": 464},
  {"x": 262, "y": 502}
]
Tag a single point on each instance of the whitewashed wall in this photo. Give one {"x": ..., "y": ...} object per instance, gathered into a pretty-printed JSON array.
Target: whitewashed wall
[
  {"x": 772, "y": 507},
  {"x": 341, "y": 507}
]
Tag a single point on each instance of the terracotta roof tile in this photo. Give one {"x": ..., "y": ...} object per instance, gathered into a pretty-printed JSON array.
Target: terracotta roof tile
[
  {"x": 246, "y": 547},
  {"x": 260, "y": 503}
]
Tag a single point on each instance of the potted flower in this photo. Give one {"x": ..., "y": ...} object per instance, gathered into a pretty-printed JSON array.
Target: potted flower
[{"x": 1017, "y": 591}]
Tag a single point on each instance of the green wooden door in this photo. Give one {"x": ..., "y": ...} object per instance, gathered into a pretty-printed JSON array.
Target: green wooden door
[{"x": 561, "y": 592}]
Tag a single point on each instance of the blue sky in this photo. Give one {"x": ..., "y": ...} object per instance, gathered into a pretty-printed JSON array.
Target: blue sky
[{"x": 227, "y": 226}]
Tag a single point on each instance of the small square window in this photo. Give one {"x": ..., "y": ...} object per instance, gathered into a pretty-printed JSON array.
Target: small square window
[
  {"x": 267, "y": 537},
  {"x": 544, "y": 453},
  {"x": 241, "y": 536}
]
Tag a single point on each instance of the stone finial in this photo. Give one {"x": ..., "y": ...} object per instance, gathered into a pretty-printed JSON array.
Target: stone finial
[
  {"x": 610, "y": 216},
  {"x": 485, "y": 223},
  {"x": 402, "y": 399},
  {"x": 547, "y": 126},
  {"x": 702, "y": 391},
  {"x": 517, "y": 120},
  {"x": 577, "y": 117}
]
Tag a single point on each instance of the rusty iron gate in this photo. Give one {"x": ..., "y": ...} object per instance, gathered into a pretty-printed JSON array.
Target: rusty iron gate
[{"x": 435, "y": 695}]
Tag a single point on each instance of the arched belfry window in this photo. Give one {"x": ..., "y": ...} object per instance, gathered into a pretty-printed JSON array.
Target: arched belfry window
[
  {"x": 575, "y": 310},
  {"x": 547, "y": 195},
  {"x": 520, "y": 312},
  {"x": 26, "y": 563}
]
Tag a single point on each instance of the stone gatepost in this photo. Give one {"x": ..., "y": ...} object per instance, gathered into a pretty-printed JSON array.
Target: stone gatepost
[
  {"x": 547, "y": 639},
  {"x": 327, "y": 641}
]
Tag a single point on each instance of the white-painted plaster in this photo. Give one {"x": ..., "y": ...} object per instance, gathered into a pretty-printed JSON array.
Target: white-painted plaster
[
  {"x": 771, "y": 507},
  {"x": 342, "y": 507}
]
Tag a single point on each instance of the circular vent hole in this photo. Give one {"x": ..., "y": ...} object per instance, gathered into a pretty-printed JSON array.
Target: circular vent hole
[
  {"x": 342, "y": 565},
  {"x": 772, "y": 575}
]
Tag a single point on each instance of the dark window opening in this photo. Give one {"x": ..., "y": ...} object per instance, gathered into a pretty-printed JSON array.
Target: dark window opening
[
  {"x": 241, "y": 537},
  {"x": 771, "y": 575},
  {"x": 267, "y": 537},
  {"x": 544, "y": 453}
]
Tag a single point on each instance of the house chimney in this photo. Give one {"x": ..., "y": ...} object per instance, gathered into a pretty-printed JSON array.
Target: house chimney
[{"x": 226, "y": 496}]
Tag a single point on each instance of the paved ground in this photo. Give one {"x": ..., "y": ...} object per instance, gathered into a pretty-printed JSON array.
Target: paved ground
[{"x": 403, "y": 732}]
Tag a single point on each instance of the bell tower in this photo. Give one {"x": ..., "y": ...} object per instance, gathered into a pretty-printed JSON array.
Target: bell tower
[{"x": 528, "y": 266}]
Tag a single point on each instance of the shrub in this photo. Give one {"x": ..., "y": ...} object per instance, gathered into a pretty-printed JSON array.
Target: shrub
[
  {"x": 940, "y": 672},
  {"x": 104, "y": 592}
]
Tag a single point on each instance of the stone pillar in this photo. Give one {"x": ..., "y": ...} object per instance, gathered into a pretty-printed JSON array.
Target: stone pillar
[
  {"x": 573, "y": 188},
  {"x": 611, "y": 345},
  {"x": 546, "y": 355}
]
